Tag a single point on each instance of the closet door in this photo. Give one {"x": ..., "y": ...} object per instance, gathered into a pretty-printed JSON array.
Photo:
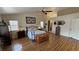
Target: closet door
[
  {"x": 74, "y": 29},
  {"x": 65, "y": 28}
]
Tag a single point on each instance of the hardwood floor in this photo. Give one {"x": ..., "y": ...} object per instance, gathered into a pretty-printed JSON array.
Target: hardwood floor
[{"x": 55, "y": 43}]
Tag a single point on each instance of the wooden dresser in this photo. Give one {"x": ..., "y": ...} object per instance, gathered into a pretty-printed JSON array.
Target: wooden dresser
[{"x": 21, "y": 34}]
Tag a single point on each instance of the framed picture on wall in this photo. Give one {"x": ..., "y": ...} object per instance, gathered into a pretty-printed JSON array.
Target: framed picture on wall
[{"x": 30, "y": 20}]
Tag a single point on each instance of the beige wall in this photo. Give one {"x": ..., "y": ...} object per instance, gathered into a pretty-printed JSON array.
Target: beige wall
[
  {"x": 22, "y": 19},
  {"x": 51, "y": 15}
]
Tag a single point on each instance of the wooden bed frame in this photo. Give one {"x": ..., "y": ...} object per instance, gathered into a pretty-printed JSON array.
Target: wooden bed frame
[{"x": 41, "y": 38}]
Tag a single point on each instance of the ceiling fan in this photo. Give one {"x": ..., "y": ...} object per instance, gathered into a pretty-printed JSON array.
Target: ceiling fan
[{"x": 45, "y": 12}]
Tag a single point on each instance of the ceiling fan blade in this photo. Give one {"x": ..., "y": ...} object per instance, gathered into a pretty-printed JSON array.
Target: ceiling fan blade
[
  {"x": 43, "y": 11},
  {"x": 48, "y": 11}
]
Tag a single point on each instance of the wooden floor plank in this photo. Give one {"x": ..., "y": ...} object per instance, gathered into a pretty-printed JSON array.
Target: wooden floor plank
[{"x": 55, "y": 43}]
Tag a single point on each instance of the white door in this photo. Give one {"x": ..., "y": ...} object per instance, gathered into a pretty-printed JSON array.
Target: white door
[
  {"x": 74, "y": 29},
  {"x": 65, "y": 28},
  {"x": 53, "y": 26}
]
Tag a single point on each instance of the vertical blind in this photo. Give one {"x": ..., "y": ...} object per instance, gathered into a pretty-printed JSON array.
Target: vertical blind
[{"x": 13, "y": 25}]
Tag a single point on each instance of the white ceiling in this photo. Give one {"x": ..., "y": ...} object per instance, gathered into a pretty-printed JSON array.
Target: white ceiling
[{"x": 15, "y": 10}]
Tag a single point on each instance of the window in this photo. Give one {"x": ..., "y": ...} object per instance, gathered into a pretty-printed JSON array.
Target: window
[
  {"x": 42, "y": 24},
  {"x": 13, "y": 25}
]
